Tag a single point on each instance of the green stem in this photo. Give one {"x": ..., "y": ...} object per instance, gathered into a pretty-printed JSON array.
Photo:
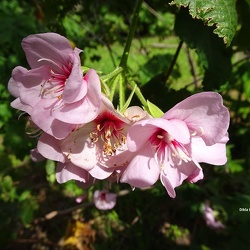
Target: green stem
[
  {"x": 121, "y": 92},
  {"x": 131, "y": 33},
  {"x": 112, "y": 74},
  {"x": 138, "y": 92}
]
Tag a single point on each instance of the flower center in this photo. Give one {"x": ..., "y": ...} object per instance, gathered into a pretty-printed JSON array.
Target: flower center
[
  {"x": 109, "y": 131},
  {"x": 54, "y": 86},
  {"x": 168, "y": 149}
]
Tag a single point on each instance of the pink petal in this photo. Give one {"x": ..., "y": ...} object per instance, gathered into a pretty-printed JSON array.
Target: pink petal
[
  {"x": 30, "y": 84},
  {"x": 78, "y": 113},
  {"x": 18, "y": 104},
  {"x": 49, "y": 147},
  {"x": 41, "y": 116},
  {"x": 75, "y": 88},
  {"x": 104, "y": 200},
  {"x": 176, "y": 128},
  {"x": 167, "y": 184},
  {"x": 204, "y": 114},
  {"x": 35, "y": 155},
  {"x": 79, "y": 148},
  {"x": 142, "y": 171},
  {"x": 215, "y": 154},
  {"x": 51, "y": 46},
  {"x": 99, "y": 172},
  {"x": 191, "y": 171},
  {"x": 68, "y": 171},
  {"x": 172, "y": 177},
  {"x": 86, "y": 109},
  {"x": 12, "y": 84}
]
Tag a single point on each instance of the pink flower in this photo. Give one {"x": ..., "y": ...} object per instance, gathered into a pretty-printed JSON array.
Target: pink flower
[
  {"x": 97, "y": 150},
  {"x": 54, "y": 92},
  {"x": 209, "y": 216},
  {"x": 99, "y": 147},
  {"x": 170, "y": 147},
  {"x": 104, "y": 200}
]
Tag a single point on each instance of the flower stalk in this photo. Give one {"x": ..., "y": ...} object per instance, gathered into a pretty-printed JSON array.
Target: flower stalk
[{"x": 131, "y": 33}]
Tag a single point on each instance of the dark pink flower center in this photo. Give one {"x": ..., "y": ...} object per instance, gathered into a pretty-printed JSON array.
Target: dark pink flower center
[
  {"x": 167, "y": 148},
  {"x": 109, "y": 130},
  {"x": 102, "y": 196},
  {"x": 54, "y": 86}
]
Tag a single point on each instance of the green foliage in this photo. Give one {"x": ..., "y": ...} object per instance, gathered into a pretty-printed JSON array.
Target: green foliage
[
  {"x": 213, "y": 55},
  {"x": 178, "y": 49},
  {"x": 221, "y": 13}
]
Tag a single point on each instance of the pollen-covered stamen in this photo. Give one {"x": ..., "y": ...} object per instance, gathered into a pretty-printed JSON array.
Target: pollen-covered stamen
[
  {"x": 167, "y": 148},
  {"x": 108, "y": 132},
  {"x": 197, "y": 133}
]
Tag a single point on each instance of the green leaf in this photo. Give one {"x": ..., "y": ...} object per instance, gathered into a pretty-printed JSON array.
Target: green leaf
[
  {"x": 213, "y": 54},
  {"x": 127, "y": 103},
  {"x": 221, "y": 13},
  {"x": 154, "y": 110}
]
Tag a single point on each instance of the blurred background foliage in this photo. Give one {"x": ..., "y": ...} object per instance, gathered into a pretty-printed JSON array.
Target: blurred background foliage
[{"x": 172, "y": 56}]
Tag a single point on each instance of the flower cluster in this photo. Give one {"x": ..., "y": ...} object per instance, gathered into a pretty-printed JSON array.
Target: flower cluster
[{"x": 91, "y": 140}]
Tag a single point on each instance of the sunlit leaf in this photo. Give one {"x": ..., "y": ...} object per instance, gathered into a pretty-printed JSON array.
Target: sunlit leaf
[
  {"x": 154, "y": 110},
  {"x": 221, "y": 13}
]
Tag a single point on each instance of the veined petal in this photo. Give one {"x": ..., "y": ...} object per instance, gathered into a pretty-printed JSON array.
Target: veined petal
[
  {"x": 143, "y": 171},
  {"x": 204, "y": 115}
]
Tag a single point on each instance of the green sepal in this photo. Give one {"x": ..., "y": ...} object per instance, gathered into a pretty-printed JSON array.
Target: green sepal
[{"x": 154, "y": 110}]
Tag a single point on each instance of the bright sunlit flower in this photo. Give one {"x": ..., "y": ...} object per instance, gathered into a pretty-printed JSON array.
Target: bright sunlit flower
[
  {"x": 99, "y": 147},
  {"x": 54, "y": 91},
  {"x": 169, "y": 148}
]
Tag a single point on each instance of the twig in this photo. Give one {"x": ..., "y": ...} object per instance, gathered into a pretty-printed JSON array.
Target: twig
[
  {"x": 173, "y": 61},
  {"x": 192, "y": 67},
  {"x": 156, "y": 14}
]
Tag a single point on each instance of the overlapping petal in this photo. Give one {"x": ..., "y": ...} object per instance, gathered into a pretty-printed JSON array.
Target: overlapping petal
[
  {"x": 143, "y": 171},
  {"x": 204, "y": 115}
]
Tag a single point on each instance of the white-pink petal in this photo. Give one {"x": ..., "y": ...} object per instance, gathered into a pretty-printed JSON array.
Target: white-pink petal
[
  {"x": 143, "y": 171},
  {"x": 68, "y": 171},
  {"x": 49, "y": 147},
  {"x": 215, "y": 154}
]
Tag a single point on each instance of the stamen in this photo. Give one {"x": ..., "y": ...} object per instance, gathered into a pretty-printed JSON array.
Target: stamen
[
  {"x": 109, "y": 131},
  {"x": 49, "y": 60},
  {"x": 166, "y": 148},
  {"x": 195, "y": 133}
]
